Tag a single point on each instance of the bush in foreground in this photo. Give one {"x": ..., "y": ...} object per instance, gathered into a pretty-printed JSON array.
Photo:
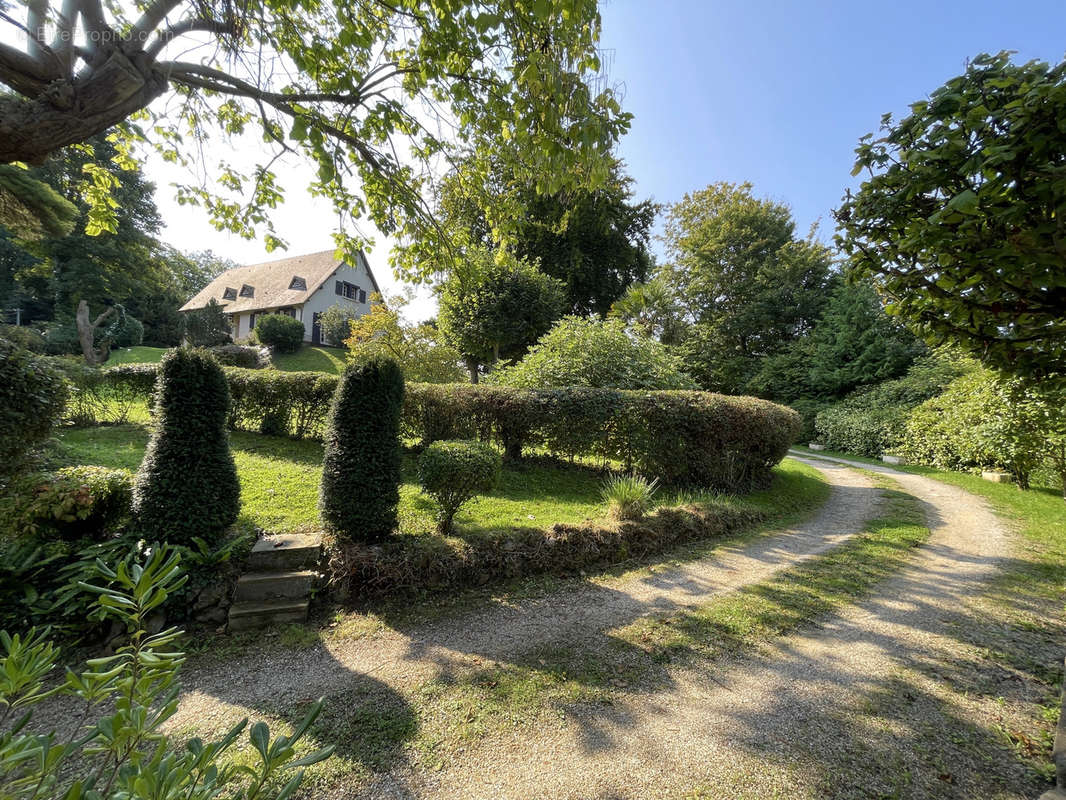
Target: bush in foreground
[
  {"x": 453, "y": 472},
  {"x": 71, "y": 503},
  {"x": 361, "y": 452},
  {"x": 280, "y": 331},
  {"x": 187, "y": 483},
  {"x": 32, "y": 396},
  {"x": 118, "y": 751}
]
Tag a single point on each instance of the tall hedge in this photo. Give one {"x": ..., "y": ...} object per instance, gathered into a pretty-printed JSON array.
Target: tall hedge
[
  {"x": 361, "y": 453},
  {"x": 681, "y": 437},
  {"x": 187, "y": 483},
  {"x": 32, "y": 396}
]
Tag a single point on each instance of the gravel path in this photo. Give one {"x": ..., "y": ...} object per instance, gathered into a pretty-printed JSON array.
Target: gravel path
[
  {"x": 763, "y": 726},
  {"x": 782, "y": 723},
  {"x": 402, "y": 658}
]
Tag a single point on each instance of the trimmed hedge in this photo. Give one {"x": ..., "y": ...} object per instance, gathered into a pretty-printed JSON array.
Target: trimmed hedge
[
  {"x": 361, "y": 572},
  {"x": 361, "y": 452},
  {"x": 454, "y": 472},
  {"x": 681, "y": 437},
  {"x": 187, "y": 486},
  {"x": 32, "y": 396}
]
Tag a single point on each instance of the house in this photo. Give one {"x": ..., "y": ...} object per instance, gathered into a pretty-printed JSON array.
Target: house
[{"x": 302, "y": 287}]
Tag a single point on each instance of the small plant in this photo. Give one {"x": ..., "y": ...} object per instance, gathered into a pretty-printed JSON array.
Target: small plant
[
  {"x": 280, "y": 331},
  {"x": 360, "y": 487},
  {"x": 120, "y": 751},
  {"x": 452, "y": 472},
  {"x": 187, "y": 483},
  {"x": 629, "y": 497}
]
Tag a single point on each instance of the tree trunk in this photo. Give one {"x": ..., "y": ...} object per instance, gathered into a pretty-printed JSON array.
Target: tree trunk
[
  {"x": 87, "y": 334},
  {"x": 472, "y": 366}
]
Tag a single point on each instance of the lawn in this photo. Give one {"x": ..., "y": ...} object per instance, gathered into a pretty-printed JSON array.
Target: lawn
[
  {"x": 135, "y": 355},
  {"x": 279, "y": 484},
  {"x": 310, "y": 358}
]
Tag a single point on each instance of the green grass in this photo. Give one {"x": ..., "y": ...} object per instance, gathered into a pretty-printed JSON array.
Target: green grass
[
  {"x": 311, "y": 358},
  {"x": 135, "y": 355},
  {"x": 280, "y": 477}
]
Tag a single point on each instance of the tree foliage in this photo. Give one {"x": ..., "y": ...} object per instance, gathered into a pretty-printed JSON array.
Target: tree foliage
[
  {"x": 595, "y": 242},
  {"x": 373, "y": 94},
  {"x": 597, "y": 354},
  {"x": 497, "y": 306},
  {"x": 960, "y": 220},
  {"x": 745, "y": 284},
  {"x": 417, "y": 348},
  {"x": 32, "y": 395}
]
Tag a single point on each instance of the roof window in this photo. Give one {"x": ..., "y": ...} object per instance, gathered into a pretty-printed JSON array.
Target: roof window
[
  {"x": 229, "y": 293},
  {"x": 298, "y": 283},
  {"x": 247, "y": 291}
]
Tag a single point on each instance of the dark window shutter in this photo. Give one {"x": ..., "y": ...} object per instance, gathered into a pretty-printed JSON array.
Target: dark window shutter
[
  {"x": 340, "y": 287},
  {"x": 362, "y": 296}
]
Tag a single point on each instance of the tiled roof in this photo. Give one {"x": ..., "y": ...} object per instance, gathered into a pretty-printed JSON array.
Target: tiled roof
[{"x": 270, "y": 283}]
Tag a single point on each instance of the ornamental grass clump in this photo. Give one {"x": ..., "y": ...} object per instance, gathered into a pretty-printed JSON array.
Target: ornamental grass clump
[
  {"x": 361, "y": 452},
  {"x": 629, "y": 497},
  {"x": 453, "y": 472},
  {"x": 187, "y": 484}
]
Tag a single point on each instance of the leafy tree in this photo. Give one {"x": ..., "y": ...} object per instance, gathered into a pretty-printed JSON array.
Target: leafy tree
[
  {"x": 744, "y": 282},
  {"x": 207, "y": 326},
  {"x": 336, "y": 323},
  {"x": 598, "y": 354},
  {"x": 855, "y": 343},
  {"x": 362, "y": 91},
  {"x": 497, "y": 307},
  {"x": 418, "y": 349},
  {"x": 595, "y": 242},
  {"x": 650, "y": 309},
  {"x": 30, "y": 209},
  {"x": 959, "y": 222}
]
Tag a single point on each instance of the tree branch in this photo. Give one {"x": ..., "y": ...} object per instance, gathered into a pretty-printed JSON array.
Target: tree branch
[
  {"x": 151, "y": 19},
  {"x": 22, "y": 72},
  {"x": 219, "y": 27}
]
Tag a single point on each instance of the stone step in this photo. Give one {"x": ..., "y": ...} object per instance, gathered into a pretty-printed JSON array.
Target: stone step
[
  {"x": 289, "y": 551},
  {"x": 253, "y": 614},
  {"x": 278, "y": 585}
]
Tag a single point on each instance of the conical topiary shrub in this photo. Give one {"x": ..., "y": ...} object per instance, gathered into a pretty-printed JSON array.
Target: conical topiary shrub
[
  {"x": 361, "y": 459},
  {"x": 187, "y": 484}
]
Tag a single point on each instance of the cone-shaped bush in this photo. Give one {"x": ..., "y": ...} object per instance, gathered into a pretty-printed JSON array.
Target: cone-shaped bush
[
  {"x": 187, "y": 484},
  {"x": 361, "y": 458}
]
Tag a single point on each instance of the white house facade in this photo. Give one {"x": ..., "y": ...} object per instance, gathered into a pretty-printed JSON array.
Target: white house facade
[{"x": 302, "y": 287}]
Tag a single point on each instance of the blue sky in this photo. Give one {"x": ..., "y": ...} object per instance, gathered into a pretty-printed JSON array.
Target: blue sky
[{"x": 778, "y": 93}]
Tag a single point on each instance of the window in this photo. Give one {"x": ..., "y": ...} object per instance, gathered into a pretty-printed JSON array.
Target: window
[
  {"x": 229, "y": 293},
  {"x": 298, "y": 283},
  {"x": 349, "y": 290},
  {"x": 247, "y": 291},
  {"x": 288, "y": 312}
]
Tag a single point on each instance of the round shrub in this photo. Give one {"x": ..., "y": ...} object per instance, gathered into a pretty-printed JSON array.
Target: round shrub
[
  {"x": 238, "y": 355},
  {"x": 125, "y": 331},
  {"x": 361, "y": 452},
  {"x": 452, "y": 472},
  {"x": 280, "y": 331},
  {"x": 71, "y": 503},
  {"x": 187, "y": 483},
  {"x": 32, "y": 396}
]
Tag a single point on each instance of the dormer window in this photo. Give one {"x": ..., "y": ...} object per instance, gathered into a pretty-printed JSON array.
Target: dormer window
[
  {"x": 229, "y": 293},
  {"x": 298, "y": 283},
  {"x": 247, "y": 291}
]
